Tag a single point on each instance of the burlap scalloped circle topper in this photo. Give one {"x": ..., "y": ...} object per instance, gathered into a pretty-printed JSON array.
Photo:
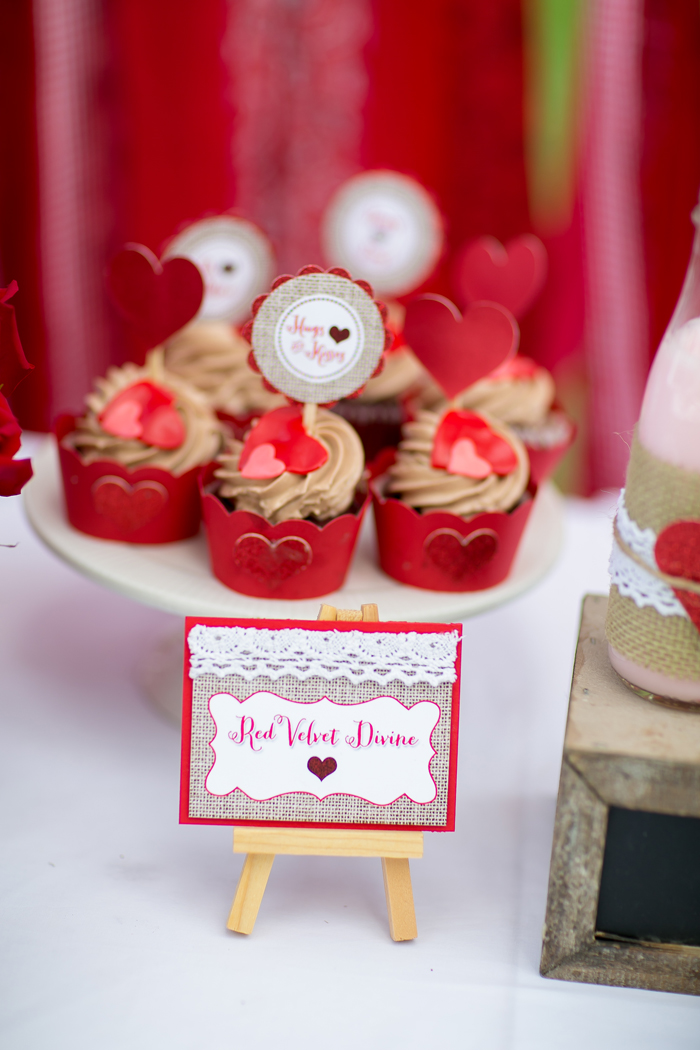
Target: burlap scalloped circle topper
[{"x": 318, "y": 337}]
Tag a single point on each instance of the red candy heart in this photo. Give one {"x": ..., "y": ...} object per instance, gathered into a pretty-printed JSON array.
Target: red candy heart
[
  {"x": 144, "y": 411},
  {"x": 457, "y": 555},
  {"x": 283, "y": 429},
  {"x": 262, "y": 463},
  {"x": 465, "y": 460},
  {"x": 513, "y": 276},
  {"x": 157, "y": 299},
  {"x": 459, "y": 350},
  {"x": 321, "y": 769},
  {"x": 677, "y": 553},
  {"x": 274, "y": 562},
  {"x": 457, "y": 426},
  {"x": 126, "y": 506}
]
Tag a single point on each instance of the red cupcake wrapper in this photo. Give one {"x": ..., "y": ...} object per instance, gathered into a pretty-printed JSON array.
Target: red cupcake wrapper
[
  {"x": 544, "y": 461},
  {"x": 291, "y": 560},
  {"x": 239, "y": 425},
  {"x": 106, "y": 500},
  {"x": 439, "y": 551}
]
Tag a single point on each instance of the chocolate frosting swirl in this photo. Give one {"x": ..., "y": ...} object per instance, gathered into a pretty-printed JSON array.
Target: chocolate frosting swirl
[
  {"x": 515, "y": 400},
  {"x": 202, "y": 429},
  {"x": 420, "y": 485},
  {"x": 213, "y": 357},
  {"x": 322, "y": 494},
  {"x": 402, "y": 374}
]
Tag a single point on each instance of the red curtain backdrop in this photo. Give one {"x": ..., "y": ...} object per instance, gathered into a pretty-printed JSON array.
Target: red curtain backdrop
[{"x": 125, "y": 121}]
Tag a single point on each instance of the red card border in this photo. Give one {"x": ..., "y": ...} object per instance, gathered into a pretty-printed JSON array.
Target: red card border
[{"x": 388, "y": 626}]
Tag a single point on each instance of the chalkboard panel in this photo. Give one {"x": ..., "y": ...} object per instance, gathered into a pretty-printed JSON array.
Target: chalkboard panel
[{"x": 650, "y": 886}]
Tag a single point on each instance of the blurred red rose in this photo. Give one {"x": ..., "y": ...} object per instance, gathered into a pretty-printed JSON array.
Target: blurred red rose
[{"x": 14, "y": 473}]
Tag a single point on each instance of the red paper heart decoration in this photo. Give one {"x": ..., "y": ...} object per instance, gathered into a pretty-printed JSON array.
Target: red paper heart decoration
[
  {"x": 283, "y": 429},
  {"x": 156, "y": 298},
  {"x": 128, "y": 506},
  {"x": 677, "y": 553},
  {"x": 321, "y": 769},
  {"x": 274, "y": 562},
  {"x": 262, "y": 463},
  {"x": 457, "y": 555},
  {"x": 513, "y": 276},
  {"x": 144, "y": 411},
  {"x": 460, "y": 425},
  {"x": 465, "y": 460},
  {"x": 459, "y": 350}
]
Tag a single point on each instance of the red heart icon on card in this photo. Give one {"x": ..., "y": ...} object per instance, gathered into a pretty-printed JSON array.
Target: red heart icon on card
[
  {"x": 273, "y": 561},
  {"x": 156, "y": 298},
  {"x": 460, "y": 426},
  {"x": 321, "y": 769},
  {"x": 282, "y": 429},
  {"x": 459, "y": 350},
  {"x": 128, "y": 506},
  {"x": 677, "y": 553},
  {"x": 512, "y": 276},
  {"x": 457, "y": 555}
]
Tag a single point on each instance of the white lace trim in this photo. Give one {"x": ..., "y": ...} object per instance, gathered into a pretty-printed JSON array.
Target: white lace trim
[
  {"x": 359, "y": 656},
  {"x": 631, "y": 580}
]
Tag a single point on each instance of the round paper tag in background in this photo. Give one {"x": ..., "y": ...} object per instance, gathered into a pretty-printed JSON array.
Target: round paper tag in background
[
  {"x": 318, "y": 337},
  {"x": 235, "y": 259},
  {"x": 384, "y": 228}
]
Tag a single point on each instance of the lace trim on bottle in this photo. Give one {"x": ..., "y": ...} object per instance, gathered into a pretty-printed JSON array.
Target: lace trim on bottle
[
  {"x": 631, "y": 580},
  {"x": 359, "y": 656}
]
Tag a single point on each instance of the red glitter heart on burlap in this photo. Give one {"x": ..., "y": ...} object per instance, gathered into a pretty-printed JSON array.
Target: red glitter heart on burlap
[
  {"x": 321, "y": 769},
  {"x": 273, "y": 561},
  {"x": 677, "y": 553},
  {"x": 128, "y": 507},
  {"x": 457, "y": 555}
]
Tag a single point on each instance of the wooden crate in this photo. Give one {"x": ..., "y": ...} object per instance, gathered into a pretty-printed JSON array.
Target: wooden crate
[{"x": 620, "y": 751}]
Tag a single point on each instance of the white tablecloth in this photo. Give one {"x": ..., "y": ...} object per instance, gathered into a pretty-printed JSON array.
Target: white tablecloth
[{"x": 113, "y": 914}]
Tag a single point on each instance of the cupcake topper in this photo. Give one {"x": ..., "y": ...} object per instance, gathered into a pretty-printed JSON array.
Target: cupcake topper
[
  {"x": 317, "y": 337},
  {"x": 459, "y": 349},
  {"x": 235, "y": 259},
  {"x": 385, "y": 228},
  {"x": 512, "y": 276},
  {"x": 156, "y": 298}
]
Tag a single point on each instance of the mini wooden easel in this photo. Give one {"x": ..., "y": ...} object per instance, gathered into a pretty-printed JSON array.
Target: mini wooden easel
[{"x": 394, "y": 847}]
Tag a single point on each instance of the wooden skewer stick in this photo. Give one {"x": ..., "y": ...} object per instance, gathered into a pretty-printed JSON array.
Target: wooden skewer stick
[{"x": 393, "y": 847}]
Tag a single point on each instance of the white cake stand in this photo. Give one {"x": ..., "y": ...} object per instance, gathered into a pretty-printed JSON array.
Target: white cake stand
[{"x": 176, "y": 577}]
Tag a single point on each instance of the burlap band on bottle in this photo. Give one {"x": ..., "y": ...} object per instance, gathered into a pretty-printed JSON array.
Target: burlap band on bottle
[{"x": 656, "y": 494}]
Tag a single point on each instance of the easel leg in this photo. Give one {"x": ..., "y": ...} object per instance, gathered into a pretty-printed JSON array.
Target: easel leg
[
  {"x": 399, "y": 898},
  {"x": 249, "y": 892}
]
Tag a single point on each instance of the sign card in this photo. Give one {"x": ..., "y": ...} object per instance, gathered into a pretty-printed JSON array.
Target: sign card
[
  {"x": 235, "y": 259},
  {"x": 385, "y": 228},
  {"x": 311, "y": 723}
]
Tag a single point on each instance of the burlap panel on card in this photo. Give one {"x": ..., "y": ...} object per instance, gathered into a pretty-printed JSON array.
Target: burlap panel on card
[
  {"x": 656, "y": 494},
  {"x": 299, "y": 806}
]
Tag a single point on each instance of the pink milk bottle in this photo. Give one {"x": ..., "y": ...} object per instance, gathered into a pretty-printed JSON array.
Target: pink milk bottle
[{"x": 653, "y": 642}]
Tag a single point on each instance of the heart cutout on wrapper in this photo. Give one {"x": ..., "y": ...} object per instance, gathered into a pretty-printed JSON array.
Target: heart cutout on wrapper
[
  {"x": 677, "y": 553},
  {"x": 156, "y": 298},
  {"x": 146, "y": 412},
  {"x": 458, "y": 350},
  {"x": 129, "y": 507},
  {"x": 321, "y": 769},
  {"x": 282, "y": 430},
  {"x": 457, "y": 555},
  {"x": 272, "y": 561},
  {"x": 513, "y": 275}
]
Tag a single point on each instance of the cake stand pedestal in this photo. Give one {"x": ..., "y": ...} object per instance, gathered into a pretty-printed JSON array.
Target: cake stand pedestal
[{"x": 177, "y": 578}]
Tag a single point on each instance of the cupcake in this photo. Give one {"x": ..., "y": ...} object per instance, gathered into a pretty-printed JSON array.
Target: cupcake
[
  {"x": 130, "y": 464},
  {"x": 521, "y": 393},
  {"x": 213, "y": 357},
  {"x": 283, "y": 509},
  {"x": 451, "y": 509},
  {"x": 384, "y": 404}
]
